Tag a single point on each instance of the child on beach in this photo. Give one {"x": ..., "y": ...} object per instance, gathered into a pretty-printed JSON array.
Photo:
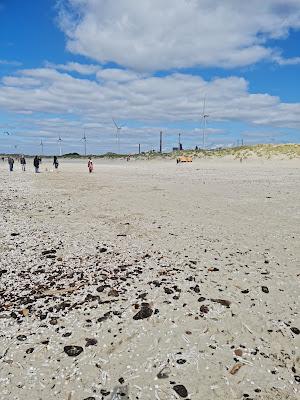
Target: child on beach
[{"x": 90, "y": 166}]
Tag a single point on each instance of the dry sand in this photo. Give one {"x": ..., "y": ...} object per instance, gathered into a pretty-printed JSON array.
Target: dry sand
[{"x": 207, "y": 252}]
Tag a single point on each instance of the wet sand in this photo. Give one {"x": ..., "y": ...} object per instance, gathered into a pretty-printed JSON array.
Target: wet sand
[{"x": 171, "y": 281}]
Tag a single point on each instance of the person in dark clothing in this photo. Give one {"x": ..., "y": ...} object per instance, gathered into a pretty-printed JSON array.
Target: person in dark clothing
[
  {"x": 11, "y": 163},
  {"x": 36, "y": 163},
  {"x": 23, "y": 163},
  {"x": 55, "y": 162}
]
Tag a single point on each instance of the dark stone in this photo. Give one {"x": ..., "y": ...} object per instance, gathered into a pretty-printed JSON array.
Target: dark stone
[
  {"x": 196, "y": 289},
  {"x": 121, "y": 380},
  {"x": 225, "y": 303},
  {"x": 67, "y": 334},
  {"x": 105, "y": 317},
  {"x": 46, "y": 252},
  {"x": 245, "y": 291},
  {"x": 181, "y": 361},
  {"x": 145, "y": 312},
  {"x": 104, "y": 392},
  {"x": 180, "y": 390},
  {"x": 21, "y": 338},
  {"x": 297, "y": 378},
  {"x": 73, "y": 351},
  {"x": 204, "y": 309},
  {"x": 265, "y": 289},
  {"x": 201, "y": 299},
  {"x": 168, "y": 290},
  {"x": 295, "y": 330},
  {"x": 90, "y": 342},
  {"x": 103, "y": 249},
  {"x": 30, "y": 350}
]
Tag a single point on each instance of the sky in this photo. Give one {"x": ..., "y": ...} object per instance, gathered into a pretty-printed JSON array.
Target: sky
[{"x": 69, "y": 67}]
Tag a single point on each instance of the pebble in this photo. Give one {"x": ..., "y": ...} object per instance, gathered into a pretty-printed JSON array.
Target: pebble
[
  {"x": 180, "y": 390},
  {"x": 145, "y": 312},
  {"x": 73, "y": 351}
]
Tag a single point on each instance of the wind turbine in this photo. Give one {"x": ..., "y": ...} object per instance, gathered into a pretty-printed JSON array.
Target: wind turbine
[
  {"x": 204, "y": 117},
  {"x": 42, "y": 146},
  {"x": 60, "y": 144},
  {"x": 117, "y": 133},
  {"x": 84, "y": 138}
]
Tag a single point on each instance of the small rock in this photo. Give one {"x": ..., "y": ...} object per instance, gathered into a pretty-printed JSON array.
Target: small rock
[
  {"x": 265, "y": 289},
  {"x": 145, "y": 312},
  {"x": 204, "y": 309},
  {"x": 21, "y": 338},
  {"x": 91, "y": 342},
  {"x": 225, "y": 303},
  {"x": 113, "y": 293},
  {"x": 168, "y": 290},
  {"x": 238, "y": 352},
  {"x": 73, "y": 351},
  {"x": 46, "y": 252},
  {"x": 295, "y": 330},
  {"x": 180, "y": 390},
  {"x": 201, "y": 299},
  {"x": 30, "y": 350}
]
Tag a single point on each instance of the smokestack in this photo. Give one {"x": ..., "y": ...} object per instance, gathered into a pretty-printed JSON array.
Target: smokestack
[{"x": 160, "y": 142}]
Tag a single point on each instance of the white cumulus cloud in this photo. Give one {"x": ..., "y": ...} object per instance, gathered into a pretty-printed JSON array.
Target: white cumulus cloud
[{"x": 148, "y": 35}]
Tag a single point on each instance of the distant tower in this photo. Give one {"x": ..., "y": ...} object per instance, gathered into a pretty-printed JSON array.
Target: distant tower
[{"x": 160, "y": 141}]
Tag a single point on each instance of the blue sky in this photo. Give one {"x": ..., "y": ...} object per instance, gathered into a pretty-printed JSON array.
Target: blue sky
[{"x": 71, "y": 66}]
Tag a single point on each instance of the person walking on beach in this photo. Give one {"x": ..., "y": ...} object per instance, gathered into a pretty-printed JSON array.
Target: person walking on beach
[
  {"x": 55, "y": 162},
  {"x": 11, "y": 163},
  {"x": 90, "y": 165},
  {"x": 23, "y": 163},
  {"x": 36, "y": 163}
]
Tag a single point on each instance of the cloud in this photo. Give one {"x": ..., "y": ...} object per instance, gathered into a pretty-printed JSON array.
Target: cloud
[
  {"x": 154, "y": 35},
  {"x": 173, "y": 98},
  {"x": 83, "y": 69},
  {"x": 10, "y": 63},
  {"x": 287, "y": 61}
]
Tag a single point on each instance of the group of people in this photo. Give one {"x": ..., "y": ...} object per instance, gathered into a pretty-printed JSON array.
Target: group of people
[{"x": 37, "y": 161}]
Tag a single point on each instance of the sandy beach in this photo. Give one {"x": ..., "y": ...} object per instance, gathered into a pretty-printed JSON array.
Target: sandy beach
[{"x": 148, "y": 280}]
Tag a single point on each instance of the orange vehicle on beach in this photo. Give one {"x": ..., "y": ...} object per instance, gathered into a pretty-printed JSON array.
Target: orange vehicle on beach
[{"x": 184, "y": 159}]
